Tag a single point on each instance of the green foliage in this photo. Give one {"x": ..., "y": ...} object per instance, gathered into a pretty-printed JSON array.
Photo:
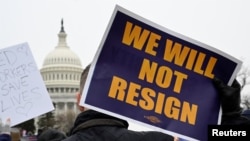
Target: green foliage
[
  {"x": 46, "y": 120},
  {"x": 29, "y": 126}
]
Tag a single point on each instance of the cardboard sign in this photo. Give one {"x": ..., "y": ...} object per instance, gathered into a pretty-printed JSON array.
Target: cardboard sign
[
  {"x": 146, "y": 73},
  {"x": 23, "y": 94}
]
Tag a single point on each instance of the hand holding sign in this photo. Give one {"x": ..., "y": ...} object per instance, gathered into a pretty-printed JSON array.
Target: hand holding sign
[
  {"x": 5, "y": 126},
  {"x": 230, "y": 97},
  {"x": 5, "y": 133}
]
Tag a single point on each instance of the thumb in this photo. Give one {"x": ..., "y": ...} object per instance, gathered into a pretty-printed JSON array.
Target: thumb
[{"x": 236, "y": 84}]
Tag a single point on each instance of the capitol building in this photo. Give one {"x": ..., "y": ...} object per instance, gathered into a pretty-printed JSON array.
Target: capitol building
[{"x": 61, "y": 72}]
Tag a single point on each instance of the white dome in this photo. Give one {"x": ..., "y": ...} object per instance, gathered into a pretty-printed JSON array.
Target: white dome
[{"x": 62, "y": 56}]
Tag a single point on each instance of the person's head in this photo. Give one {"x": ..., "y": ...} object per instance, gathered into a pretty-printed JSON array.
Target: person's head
[
  {"x": 82, "y": 83},
  {"x": 246, "y": 113},
  {"x": 51, "y": 135}
]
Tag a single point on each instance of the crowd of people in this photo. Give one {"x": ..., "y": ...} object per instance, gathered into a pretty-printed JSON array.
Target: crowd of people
[{"x": 95, "y": 126}]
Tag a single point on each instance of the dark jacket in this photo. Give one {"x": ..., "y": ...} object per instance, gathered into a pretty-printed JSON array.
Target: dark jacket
[
  {"x": 235, "y": 120},
  {"x": 5, "y": 137},
  {"x": 94, "y": 126}
]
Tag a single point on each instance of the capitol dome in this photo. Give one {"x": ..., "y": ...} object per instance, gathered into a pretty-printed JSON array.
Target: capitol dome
[
  {"x": 61, "y": 72},
  {"x": 62, "y": 55}
]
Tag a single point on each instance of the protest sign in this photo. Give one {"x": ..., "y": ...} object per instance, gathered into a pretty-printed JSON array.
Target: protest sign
[
  {"x": 148, "y": 74},
  {"x": 23, "y": 94}
]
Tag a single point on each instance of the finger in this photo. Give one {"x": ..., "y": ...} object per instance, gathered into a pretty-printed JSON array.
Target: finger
[
  {"x": 176, "y": 139},
  {"x": 236, "y": 84}
]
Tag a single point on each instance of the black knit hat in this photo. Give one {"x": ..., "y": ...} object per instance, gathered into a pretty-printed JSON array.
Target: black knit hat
[{"x": 51, "y": 135}]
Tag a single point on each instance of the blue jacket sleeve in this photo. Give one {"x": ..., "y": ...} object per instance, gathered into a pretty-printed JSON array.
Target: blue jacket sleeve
[{"x": 5, "y": 137}]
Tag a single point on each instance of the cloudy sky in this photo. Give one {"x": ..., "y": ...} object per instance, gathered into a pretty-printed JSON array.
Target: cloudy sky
[{"x": 223, "y": 24}]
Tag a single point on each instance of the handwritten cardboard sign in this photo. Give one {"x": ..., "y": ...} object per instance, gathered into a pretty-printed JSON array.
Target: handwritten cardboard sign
[
  {"x": 23, "y": 94},
  {"x": 146, "y": 73}
]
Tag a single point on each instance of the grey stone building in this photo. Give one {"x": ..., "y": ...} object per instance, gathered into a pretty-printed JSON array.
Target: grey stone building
[{"x": 61, "y": 73}]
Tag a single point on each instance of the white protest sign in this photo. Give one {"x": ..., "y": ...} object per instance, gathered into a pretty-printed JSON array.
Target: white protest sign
[{"x": 23, "y": 94}]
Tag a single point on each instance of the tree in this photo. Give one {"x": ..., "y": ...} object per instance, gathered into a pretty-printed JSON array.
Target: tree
[
  {"x": 244, "y": 78},
  {"x": 46, "y": 120},
  {"x": 29, "y": 126},
  {"x": 66, "y": 121},
  {"x": 245, "y": 101}
]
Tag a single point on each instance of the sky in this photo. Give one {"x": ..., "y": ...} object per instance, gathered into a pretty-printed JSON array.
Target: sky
[{"x": 222, "y": 24}]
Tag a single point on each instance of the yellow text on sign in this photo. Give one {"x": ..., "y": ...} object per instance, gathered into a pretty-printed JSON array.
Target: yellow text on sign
[
  {"x": 181, "y": 55},
  {"x": 148, "y": 99},
  {"x": 162, "y": 75}
]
